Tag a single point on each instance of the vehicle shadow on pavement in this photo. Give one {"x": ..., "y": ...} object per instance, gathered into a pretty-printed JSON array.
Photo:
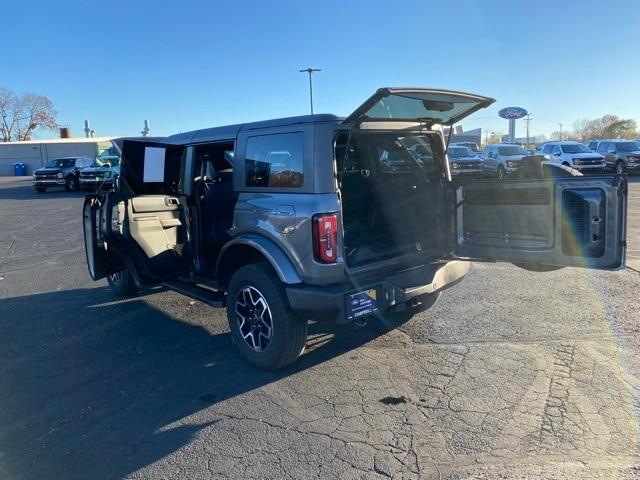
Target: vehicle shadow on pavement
[
  {"x": 23, "y": 190},
  {"x": 94, "y": 387}
]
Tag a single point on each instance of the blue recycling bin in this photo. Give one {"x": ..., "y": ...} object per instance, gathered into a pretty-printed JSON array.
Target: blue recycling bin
[{"x": 19, "y": 169}]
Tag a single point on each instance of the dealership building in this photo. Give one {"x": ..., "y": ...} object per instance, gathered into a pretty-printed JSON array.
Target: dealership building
[
  {"x": 36, "y": 153},
  {"x": 459, "y": 135}
]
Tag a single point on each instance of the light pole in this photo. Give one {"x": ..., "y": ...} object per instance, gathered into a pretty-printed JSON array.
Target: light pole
[
  {"x": 310, "y": 72},
  {"x": 528, "y": 120}
]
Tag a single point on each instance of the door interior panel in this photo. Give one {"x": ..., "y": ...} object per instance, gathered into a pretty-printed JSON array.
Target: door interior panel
[
  {"x": 154, "y": 203},
  {"x": 154, "y": 223},
  {"x": 575, "y": 221},
  {"x": 517, "y": 217}
]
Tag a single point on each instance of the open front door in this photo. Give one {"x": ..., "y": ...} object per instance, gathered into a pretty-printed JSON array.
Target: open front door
[
  {"x": 576, "y": 221},
  {"x": 143, "y": 225}
]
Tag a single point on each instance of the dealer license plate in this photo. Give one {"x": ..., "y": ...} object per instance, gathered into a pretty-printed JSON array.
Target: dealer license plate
[{"x": 361, "y": 303}]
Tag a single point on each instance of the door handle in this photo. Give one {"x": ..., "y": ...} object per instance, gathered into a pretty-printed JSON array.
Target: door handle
[{"x": 170, "y": 201}]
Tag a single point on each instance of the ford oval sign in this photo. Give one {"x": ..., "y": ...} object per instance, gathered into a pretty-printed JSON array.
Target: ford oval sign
[{"x": 512, "y": 113}]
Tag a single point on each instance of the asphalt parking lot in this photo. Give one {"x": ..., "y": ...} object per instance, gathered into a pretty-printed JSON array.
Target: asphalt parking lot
[{"x": 512, "y": 374}]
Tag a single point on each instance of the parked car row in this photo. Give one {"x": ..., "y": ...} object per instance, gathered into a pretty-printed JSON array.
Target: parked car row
[
  {"x": 73, "y": 173},
  {"x": 505, "y": 159}
]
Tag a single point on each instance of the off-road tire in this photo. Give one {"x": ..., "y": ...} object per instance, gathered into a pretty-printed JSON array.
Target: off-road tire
[
  {"x": 41, "y": 189},
  {"x": 391, "y": 319},
  {"x": 288, "y": 334},
  {"x": 71, "y": 184},
  {"x": 122, "y": 283}
]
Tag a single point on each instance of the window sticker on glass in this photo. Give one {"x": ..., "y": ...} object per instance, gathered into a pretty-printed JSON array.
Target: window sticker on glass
[{"x": 153, "y": 164}]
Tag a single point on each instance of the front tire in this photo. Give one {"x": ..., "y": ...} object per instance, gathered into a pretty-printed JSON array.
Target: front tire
[
  {"x": 500, "y": 173},
  {"x": 620, "y": 167},
  {"x": 122, "y": 283},
  {"x": 262, "y": 324},
  {"x": 71, "y": 185}
]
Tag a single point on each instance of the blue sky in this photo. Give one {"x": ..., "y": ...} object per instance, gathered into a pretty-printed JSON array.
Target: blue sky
[{"x": 192, "y": 64}]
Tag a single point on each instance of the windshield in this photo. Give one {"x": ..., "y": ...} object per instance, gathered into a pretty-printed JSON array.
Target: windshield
[
  {"x": 628, "y": 146},
  {"x": 61, "y": 163},
  {"x": 460, "y": 152},
  {"x": 575, "y": 148},
  {"x": 473, "y": 146},
  {"x": 512, "y": 150}
]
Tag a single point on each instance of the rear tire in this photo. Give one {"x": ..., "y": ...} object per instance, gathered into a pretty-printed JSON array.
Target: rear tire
[
  {"x": 41, "y": 189},
  {"x": 71, "y": 184},
  {"x": 122, "y": 283},
  {"x": 263, "y": 326}
]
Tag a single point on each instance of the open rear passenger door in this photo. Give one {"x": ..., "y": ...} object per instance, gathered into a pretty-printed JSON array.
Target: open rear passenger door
[
  {"x": 143, "y": 225},
  {"x": 573, "y": 221}
]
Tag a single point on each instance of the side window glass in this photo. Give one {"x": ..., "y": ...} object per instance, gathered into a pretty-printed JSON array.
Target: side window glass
[
  {"x": 275, "y": 160},
  {"x": 556, "y": 150},
  {"x": 603, "y": 147}
]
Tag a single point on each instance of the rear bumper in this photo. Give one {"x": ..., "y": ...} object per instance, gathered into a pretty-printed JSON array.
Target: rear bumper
[{"x": 328, "y": 303}]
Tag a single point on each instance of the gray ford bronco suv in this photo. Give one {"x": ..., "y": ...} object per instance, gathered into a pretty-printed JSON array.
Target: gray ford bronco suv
[{"x": 326, "y": 218}]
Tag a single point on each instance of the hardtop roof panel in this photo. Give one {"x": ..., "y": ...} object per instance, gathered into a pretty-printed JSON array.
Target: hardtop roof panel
[{"x": 230, "y": 132}]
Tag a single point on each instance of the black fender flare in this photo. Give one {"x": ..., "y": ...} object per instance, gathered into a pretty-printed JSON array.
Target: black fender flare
[{"x": 277, "y": 258}]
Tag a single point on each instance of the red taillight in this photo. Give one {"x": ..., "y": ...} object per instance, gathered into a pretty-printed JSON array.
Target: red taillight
[{"x": 325, "y": 238}]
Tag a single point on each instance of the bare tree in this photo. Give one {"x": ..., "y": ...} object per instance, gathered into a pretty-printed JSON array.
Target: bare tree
[
  {"x": 22, "y": 114},
  {"x": 494, "y": 138},
  {"x": 581, "y": 129}
]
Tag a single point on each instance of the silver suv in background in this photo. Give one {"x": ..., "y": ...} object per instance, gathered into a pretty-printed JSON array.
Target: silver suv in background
[
  {"x": 503, "y": 159},
  {"x": 574, "y": 155},
  {"x": 337, "y": 219},
  {"x": 623, "y": 156}
]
